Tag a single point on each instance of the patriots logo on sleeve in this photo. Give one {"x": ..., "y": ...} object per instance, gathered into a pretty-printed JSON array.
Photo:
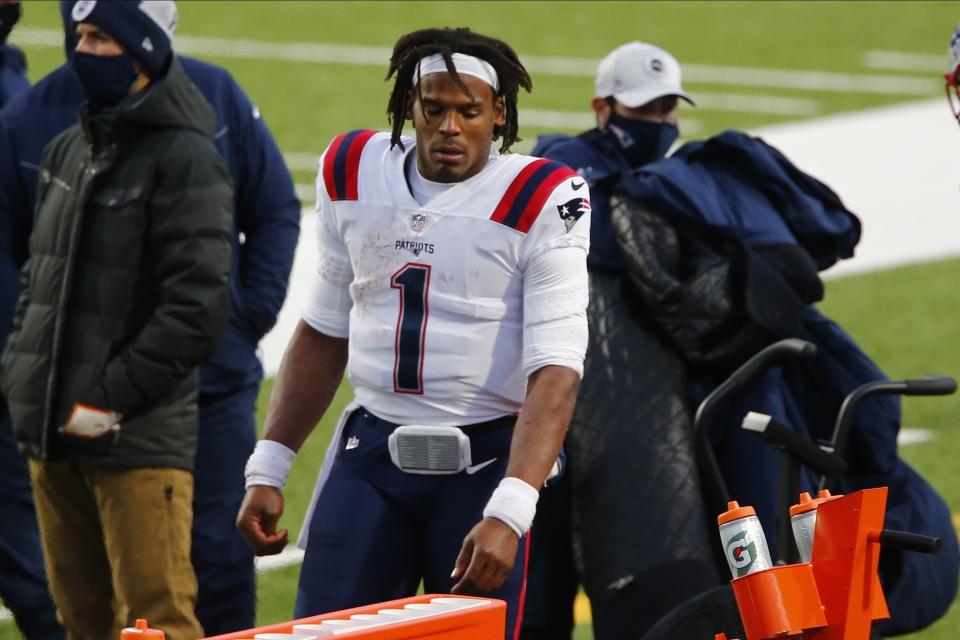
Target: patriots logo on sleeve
[{"x": 573, "y": 210}]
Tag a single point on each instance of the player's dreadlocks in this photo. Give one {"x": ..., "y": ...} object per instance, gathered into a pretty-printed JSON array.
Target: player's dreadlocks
[{"x": 412, "y": 47}]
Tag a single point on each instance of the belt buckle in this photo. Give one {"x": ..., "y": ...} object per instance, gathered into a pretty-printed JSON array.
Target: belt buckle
[{"x": 429, "y": 450}]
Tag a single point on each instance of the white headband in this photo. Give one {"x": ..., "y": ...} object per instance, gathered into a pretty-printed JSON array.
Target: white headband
[{"x": 464, "y": 64}]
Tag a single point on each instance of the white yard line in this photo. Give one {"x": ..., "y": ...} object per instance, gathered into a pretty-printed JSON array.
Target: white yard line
[
  {"x": 752, "y": 76},
  {"x": 25, "y": 36},
  {"x": 934, "y": 64},
  {"x": 325, "y": 53},
  {"x": 748, "y": 103},
  {"x": 302, "y": 161},
  {"x": 582, "y": 120},
  {"x": 290, "y": 556},
  {"x": 811, "y": 80},
  {"x": 914, "y": 436},
  {"x": 548, "y": 119},
  {"x": 307, "y": 194}
]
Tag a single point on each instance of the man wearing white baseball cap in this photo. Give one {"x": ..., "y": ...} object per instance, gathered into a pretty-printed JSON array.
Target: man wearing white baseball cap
[
  {"x": 626, "y": 441},
  {"x": 632, "y": 79},
  {"x": 638, "y": 88}
]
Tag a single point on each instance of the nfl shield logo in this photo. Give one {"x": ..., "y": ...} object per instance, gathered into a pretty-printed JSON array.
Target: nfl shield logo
[
  {"x": 83, "y": 9},
  {"x": 418, "y": 221}
]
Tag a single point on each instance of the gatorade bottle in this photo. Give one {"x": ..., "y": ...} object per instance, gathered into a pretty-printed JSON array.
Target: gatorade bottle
[
  {"x": 141, "y": 631},
  {"x": 803, "y": 521},
  {"x": 744, "y": 545}
]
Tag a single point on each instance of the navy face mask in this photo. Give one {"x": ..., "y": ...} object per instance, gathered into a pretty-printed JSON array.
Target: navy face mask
[
  {"x": 642, "y": 141},
  {"x": 106, "y": 79}
]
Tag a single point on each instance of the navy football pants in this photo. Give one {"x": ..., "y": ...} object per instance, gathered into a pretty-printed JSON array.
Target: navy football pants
[
  {"x": 227, "y": 596},
  {"x": 222, "y": 560},
  {"x": 377, "y": 531}
]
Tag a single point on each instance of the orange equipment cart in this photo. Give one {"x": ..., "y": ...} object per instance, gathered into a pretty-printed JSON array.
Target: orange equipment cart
[
  {"x": 427, "y": 617},
  {"x": 836, "y": 596}
]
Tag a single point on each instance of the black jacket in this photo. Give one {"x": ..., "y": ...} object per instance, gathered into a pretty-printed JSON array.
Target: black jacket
[{"x": 126, "y": 290}]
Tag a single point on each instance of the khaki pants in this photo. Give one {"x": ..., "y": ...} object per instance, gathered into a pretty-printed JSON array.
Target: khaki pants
[{"x": 117, "y": 547}]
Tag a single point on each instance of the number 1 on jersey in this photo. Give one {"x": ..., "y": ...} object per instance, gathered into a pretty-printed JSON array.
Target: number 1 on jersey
[{"x": 413, "y": 281}]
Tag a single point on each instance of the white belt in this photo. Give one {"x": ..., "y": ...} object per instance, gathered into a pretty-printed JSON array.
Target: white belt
[{"x": 429, "y": 450}]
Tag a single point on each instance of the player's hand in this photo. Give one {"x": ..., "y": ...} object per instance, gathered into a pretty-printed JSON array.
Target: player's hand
[
  {"x": 486, "y": 557},
  {"x": 257, "y": 521}
]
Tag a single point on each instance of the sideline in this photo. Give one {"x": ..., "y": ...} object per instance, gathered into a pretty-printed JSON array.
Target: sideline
[{"x": 929, "y": 63}]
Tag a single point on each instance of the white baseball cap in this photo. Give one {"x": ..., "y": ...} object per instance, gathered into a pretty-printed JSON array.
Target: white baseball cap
[{"x": 636, "y": 73}]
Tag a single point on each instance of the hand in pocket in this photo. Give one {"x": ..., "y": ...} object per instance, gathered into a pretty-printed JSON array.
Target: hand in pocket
[{"x": 90, "y": 422}]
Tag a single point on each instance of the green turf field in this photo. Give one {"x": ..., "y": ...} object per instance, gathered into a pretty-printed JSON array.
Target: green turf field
[
  {"x": 308, "y": 103},
  {"x": 903, "y": 317}
]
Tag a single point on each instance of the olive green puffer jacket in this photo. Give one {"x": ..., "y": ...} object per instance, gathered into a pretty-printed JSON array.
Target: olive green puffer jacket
[{"x": 126, "y": 290}]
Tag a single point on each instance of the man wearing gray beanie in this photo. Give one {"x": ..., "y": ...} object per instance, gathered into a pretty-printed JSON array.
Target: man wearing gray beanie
[
  {"x": 125, "y": 293},
  {"x": 143, "y": 34}
]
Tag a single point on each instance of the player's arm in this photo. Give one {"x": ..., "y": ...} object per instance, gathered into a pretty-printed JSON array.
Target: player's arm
[
  {"x": 489, "y": 550},
  {"x": 309, "y": 376},
  {"x": 555, "y": 340},
  {"x": 542, "y": 424}
]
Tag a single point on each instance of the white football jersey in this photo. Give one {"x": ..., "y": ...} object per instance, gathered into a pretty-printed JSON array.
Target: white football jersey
[{"x": 444, "y": 304}]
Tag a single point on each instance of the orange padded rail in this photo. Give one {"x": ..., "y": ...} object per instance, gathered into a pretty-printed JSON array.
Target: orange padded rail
[{"x": 427, "y": 617}]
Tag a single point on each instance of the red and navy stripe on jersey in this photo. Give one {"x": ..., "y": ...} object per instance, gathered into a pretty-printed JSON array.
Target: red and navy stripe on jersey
[
  {"x": 526, "y": 195},
  {"x": 341, "y": 165}
]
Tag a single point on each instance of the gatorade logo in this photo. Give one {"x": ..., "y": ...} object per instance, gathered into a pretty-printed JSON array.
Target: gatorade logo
[{"x": 741, "y": 556}]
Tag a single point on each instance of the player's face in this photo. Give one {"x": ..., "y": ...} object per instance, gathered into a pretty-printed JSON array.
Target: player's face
[{"x": 454, "y": 130}]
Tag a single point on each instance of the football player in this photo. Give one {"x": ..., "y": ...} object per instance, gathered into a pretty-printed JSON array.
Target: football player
[{"x": 452, "y": 286}]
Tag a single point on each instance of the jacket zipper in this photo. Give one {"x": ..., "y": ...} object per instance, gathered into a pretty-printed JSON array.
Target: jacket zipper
[{"x": 90, "y": 172}]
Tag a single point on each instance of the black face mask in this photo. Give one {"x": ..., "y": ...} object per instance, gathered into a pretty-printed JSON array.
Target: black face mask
[
  {"x": 642, "y": 141},
  {"x": 105, "y": 79},
  {"x": 9, "y": 14}
]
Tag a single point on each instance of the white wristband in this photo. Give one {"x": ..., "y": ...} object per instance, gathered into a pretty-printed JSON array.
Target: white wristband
[
  {"x": 513, "y": 502},
  {"x": 269, "y": 465}
]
